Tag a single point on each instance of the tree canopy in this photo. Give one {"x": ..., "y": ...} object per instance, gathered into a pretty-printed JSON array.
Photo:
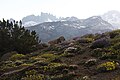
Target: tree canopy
[{"x": 14, "y": 37}]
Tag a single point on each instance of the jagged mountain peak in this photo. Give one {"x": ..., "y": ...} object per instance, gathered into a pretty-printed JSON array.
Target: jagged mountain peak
[
  {"x": 95, "y": 17},
  {"x": 43, "y": 17},
  {"x": 32, "y": 20},
  {"x": 50, "y": 30},
  {"x": 70, "y": 19}
]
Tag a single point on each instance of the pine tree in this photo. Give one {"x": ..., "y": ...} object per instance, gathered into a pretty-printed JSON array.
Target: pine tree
[{"x": 14, "y": 37}]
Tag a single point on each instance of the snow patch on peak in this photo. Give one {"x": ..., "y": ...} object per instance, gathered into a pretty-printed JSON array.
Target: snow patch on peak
[
  {"x": 95, "y": 17},
  {"x": 30, "y": 23},
  {"x": 83, "y": 26}
]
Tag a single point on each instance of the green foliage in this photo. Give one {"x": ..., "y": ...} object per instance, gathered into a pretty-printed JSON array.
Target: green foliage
[
  {"x": 85, "y": 40},
  {"x": 54, "y": 67},
  {"x": 116, "y": 46},
  {"x": 51, "y": 57},
  {"x": 47, "y": 55},
  {"x": 31, "y": 72},
  {"x": 73, "y": 67},
  {"x": 14, "y": 37},
  {"x": 17, "y": 57},
  {"x": 18, "y": 62},
  {"x": 114, "y": 33},
  {"x": 57, "y": 65},
  {"x": 8, "y": 55},
  {"x": 34, "y": 77},
  {"x": 97, "y": 52},
  {"x": 115, "y": 40},
  {"x": 26, "y": 64},
  {"x": 36, "y": 58},
  {"x": 62, "y": 77},
  {"x": 7, "y": 65},
  {"x": 9, "y": 77},
  {"x": 107, "y": 66},
  {"x": 88, "y": 40},
  {"x": 100, "y": 43},
  {"x": 106, "y": 53}
]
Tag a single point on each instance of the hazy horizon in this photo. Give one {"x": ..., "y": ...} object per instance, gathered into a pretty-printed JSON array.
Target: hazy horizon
[{"x": 17, "y": 9}]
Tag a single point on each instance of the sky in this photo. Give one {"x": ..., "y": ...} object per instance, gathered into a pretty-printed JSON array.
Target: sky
[{"x": 17, "y": 9}]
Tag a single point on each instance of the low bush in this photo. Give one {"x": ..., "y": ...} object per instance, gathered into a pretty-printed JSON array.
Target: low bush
[
  {"x": 97, "y": 52},
  {"x": 57, "y": 66},
  {"x": 17, "y": 57},
  {"x": 115, "y": 40},
  {"x": 34, "y": 77},
  {"x": 31, "y": 72},
  {"x": 116, "y": 46},
  {"x": 73, "y": 67},
  {"x": 48, "y": 55},
  {"x": 85, "y": 40},
  {"x": 107, "y": 66},
  {"x": 114, "y": 33},
  {"x": 100, "y": 43},
  {"x": 90, "y": 62}
]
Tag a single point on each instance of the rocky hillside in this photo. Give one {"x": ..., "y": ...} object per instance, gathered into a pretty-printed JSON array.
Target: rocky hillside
[
  {"x": 71, "y": 28},
  {"x": 90, "y": 57}
]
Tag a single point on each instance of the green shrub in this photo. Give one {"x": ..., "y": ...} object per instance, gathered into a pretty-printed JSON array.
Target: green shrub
[
  {"x": 69, "y": 76},
  {"x": 97, "y": 52},
  {"x": 55, "y": 48},
  {"x": 17, "y": 57},
  {"x": 6, "y": 56},
  {"x": 85, "y": 40},
  {"x": 34, "y": 77},
  {"x": 25, "y": 64},
  {"x": 7, "y": 64},
  {"x": 90, "y": 62},
  {"x": 13, "y": 36},
  {"x": 11, "y": 77},
  {"x": 18, "y": 62},
  {"x": 41, "y": 63},
  {"x": 57, "y": 66},
  {"x": 114, "y": 33},
  {"x": 47, "y": 55},
  {"x": 100, "y": 43},
  {"x": 109, "y": 55},
  {"x": 115, "y": 40},
  {"x": 53, "y": 68},
  {"x": 31, "y": 72},
  {"x": 51, "y": 57},
  {"x": 107, "y": 66},
  {"x": 73, "y": 67},
  {"x": 36, "y": 58},
  {"x": 116, "y": 46}
]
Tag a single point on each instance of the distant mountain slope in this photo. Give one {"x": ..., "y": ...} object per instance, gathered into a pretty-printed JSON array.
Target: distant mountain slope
[
  {"x": 113, "y": 17},
  {"x": 51, "y": 30}
]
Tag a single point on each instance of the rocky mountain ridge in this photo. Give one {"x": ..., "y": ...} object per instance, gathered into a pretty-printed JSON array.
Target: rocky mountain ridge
[{"x": 51, "y": 30}]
